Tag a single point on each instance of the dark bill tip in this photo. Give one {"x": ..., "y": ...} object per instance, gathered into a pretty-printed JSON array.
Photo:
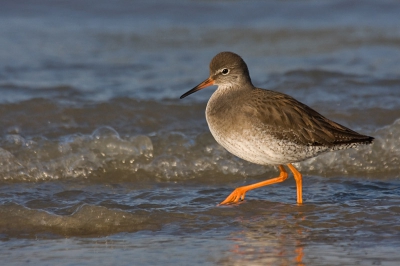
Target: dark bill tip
[{"x": 206, "y": 83}]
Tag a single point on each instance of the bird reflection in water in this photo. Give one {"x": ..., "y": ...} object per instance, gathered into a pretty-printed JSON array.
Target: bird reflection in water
[{"x": 265, "y": 241}]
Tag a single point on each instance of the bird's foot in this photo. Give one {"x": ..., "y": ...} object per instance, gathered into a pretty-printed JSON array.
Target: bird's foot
[{"x": 236, "y": 196}]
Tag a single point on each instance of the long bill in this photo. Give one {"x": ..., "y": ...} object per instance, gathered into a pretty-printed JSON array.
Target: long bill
[{"x": 206, "y": 83}]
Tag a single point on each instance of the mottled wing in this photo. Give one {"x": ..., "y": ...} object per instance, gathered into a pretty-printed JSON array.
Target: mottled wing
[{"x": 286, "y": 118}]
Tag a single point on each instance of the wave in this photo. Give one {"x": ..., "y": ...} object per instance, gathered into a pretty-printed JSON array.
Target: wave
[
  {"x": 80, "y": 222},
  {"x": 174, "y": 156}
]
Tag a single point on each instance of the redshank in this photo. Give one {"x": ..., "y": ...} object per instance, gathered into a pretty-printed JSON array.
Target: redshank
[{"x": 267, "y": 127}]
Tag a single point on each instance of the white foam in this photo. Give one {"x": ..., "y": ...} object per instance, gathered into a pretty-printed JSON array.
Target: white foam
[
  {"x": 71, "y": 156},
  {"x": 174, "y": 155}
]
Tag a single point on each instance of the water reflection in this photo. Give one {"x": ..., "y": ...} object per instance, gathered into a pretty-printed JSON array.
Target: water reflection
[{"x": 269, "y": 240}]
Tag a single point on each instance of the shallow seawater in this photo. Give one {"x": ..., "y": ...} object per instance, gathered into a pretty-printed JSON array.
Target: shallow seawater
[{"x": 101, "y": 163}]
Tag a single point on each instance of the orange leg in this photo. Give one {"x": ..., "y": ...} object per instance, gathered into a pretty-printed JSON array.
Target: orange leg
[
  {"x": 240, "y": 192},
  {"x": 299, "y": 183}
]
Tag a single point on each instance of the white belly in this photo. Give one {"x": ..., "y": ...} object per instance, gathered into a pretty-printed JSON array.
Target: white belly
[{"x": 259, "y": 147}]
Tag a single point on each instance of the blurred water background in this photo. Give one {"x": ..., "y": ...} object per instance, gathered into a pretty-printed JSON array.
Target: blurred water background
[{"x": 101, "y": 163}]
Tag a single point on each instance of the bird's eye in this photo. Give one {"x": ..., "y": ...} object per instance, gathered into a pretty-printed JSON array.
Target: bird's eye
[{"x": 225, "y": 71}]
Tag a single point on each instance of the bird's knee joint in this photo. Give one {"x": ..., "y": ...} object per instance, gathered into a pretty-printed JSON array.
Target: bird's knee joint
[{"x": 283, "y": 177}]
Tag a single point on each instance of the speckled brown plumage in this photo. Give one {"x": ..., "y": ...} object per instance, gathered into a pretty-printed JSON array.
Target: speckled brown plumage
[{"x": 285, "y": 118}]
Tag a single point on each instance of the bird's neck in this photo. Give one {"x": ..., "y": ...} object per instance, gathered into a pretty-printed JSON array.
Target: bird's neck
[{"x": 226, "y": 97}]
